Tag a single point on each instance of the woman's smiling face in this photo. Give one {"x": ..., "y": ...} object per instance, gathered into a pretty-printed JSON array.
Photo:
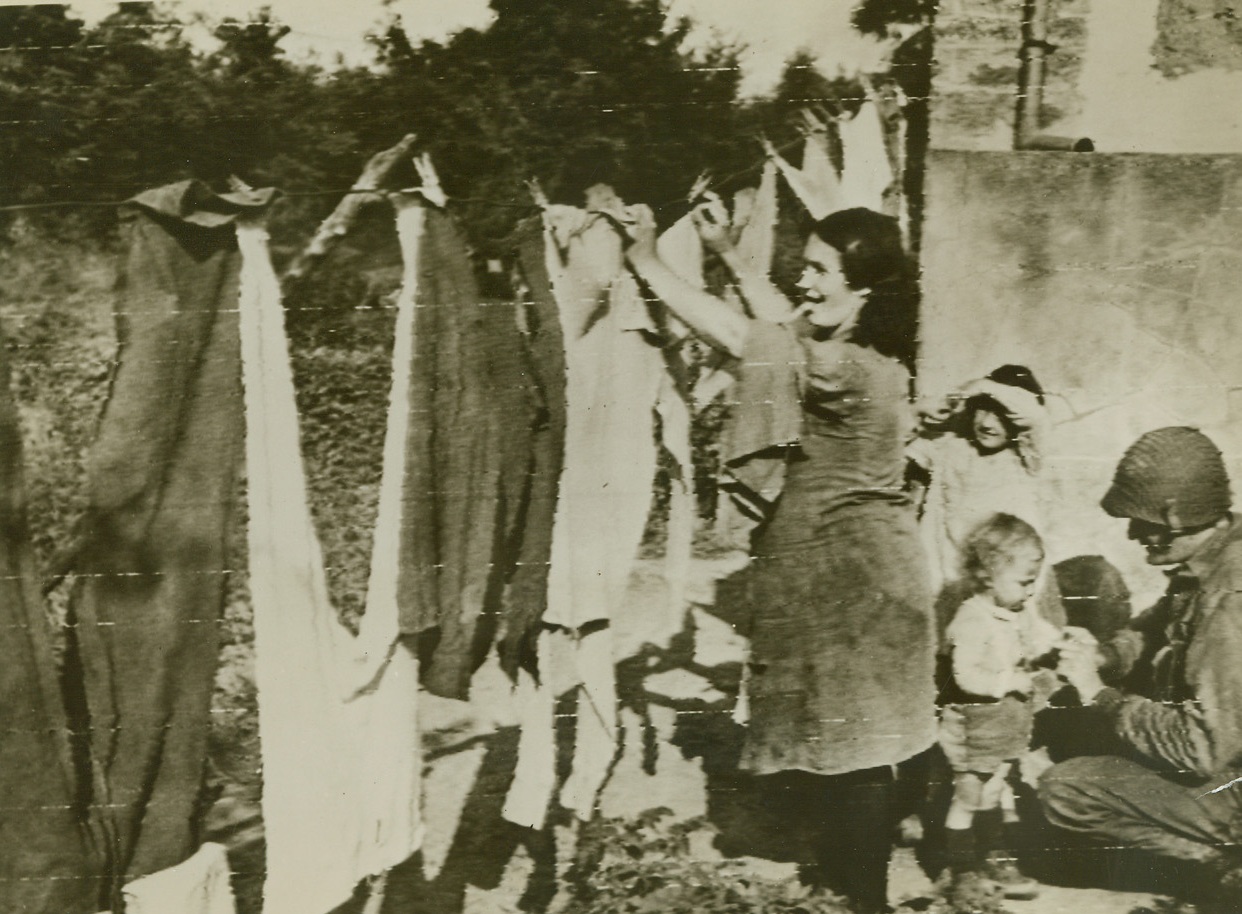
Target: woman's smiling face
[{"x": 830, "y": 302}]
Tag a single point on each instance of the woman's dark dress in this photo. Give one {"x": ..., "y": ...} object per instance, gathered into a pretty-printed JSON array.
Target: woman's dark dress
[{"x": 838, "y": 588}]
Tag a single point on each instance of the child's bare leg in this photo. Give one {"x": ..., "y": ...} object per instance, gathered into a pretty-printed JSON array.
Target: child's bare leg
[
  {"x": 1008, "y": 804},
  {"x": 967, "y": 799}
]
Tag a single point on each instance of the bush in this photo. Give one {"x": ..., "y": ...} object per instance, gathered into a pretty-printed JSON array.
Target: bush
[{"x": 645, "y": 866}]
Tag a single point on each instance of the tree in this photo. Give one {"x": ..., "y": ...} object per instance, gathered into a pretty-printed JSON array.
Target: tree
[
  {"x": 571, "y": 93},
  {"x": 42, "y": 60}
]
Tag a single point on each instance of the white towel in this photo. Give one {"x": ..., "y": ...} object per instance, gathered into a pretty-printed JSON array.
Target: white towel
[
  {"x": 341, "y": 773},
  {"x": 867, "y": 173},
  {"x": 199, "y": 885}
]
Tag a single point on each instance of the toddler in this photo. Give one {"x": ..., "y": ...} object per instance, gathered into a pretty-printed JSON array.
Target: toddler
[{"x": 997, "y": 645}]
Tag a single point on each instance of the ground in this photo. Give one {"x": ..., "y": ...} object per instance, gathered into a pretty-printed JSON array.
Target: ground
[{"x": 679, "y": 753}]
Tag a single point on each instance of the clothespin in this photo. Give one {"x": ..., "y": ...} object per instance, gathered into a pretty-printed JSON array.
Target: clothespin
[{"x": 536, "y": 191}]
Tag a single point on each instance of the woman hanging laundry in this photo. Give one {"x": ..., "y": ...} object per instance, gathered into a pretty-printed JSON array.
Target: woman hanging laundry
[{"x": 841, "y": 684}]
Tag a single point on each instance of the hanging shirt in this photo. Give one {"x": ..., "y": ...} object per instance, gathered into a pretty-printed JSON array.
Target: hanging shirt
[
  {"x": 612, "y": 383},
  {"x": 815, "y": 184},
  {"x": 755, "y": 210},
  {"x": 756, "y": 242},
  {"x": 616, "y": 380}
]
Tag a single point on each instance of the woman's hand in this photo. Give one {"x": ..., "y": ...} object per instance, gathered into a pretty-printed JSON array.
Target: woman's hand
[
  {"x": 637, "y": 226},
  {"x": 711, "y": 219}
]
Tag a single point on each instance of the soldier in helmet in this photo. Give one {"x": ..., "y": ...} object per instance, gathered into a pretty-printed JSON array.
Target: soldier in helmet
[{"x": 1175, "y": 788}]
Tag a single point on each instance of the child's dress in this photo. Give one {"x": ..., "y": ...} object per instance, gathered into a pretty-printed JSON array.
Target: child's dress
[{"x": 989, "y": 715}]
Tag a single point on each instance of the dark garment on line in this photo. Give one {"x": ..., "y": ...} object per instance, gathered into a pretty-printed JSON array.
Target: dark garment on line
[
  {"x": 527, "y": 595},
  {"x": 161, "y": 479},
  {"x": 470, "y": 465},
  {"x": 45, "y": 863}
]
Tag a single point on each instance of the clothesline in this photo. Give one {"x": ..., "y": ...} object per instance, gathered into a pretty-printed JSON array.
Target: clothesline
[{"x": 343, "y": 192}]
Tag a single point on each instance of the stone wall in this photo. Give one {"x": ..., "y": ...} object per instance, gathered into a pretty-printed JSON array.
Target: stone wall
[{"x": 1118, "y": 280}]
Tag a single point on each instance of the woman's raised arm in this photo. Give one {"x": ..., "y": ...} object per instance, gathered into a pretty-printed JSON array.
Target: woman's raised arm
[
  {"x": 766, "y": 302},
  {"x": 711, "y": 319}
]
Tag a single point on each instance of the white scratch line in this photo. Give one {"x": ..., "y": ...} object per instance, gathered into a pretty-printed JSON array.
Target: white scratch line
[{"x": 1222, "y": 787}]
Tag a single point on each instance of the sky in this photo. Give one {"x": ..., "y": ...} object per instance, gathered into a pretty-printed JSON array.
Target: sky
[{"x": 324, "y": 29}]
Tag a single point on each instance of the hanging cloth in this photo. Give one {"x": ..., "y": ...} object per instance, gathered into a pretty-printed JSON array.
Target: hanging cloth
[
  {"x": 46, "y": 865},
  {"x": 867, "y": 174},
  {"x": 471, "y": 461},
  {"x": 534, "y": 777},
  {"x": 199, "y": 885},
  {"x": 682, "y": 249},
  {"x": 616, "y": 381},
  {"x": 526, "y": 596},
  {"x": 815, "y": 184},
  {"x": 341, "y": 767},
  {"x": 161, "y": 478},
  {"x": 755, "y": 210},
  {"x": 613, "y": 381}
]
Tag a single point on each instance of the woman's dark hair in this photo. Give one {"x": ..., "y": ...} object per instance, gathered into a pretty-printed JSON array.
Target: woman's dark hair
[{"x": 872, "y": 258}]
